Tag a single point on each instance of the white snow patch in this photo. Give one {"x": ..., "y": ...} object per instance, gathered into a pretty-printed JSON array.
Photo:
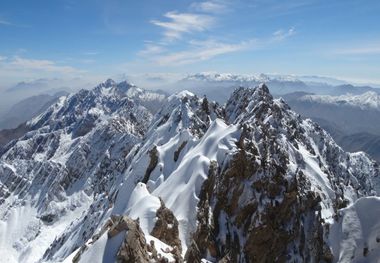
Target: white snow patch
[{"x": 358, "y": 228}]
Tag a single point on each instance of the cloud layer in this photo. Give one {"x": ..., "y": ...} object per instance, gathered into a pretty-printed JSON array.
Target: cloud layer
[
  {"x": 181, "y": 23},
  {"x": 182, "y": 42},
  {"x": 214, "y": 6},
  {"x": 18, "y": 68}
]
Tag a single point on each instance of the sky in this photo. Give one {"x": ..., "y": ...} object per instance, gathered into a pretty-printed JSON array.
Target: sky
[{"x": 91, "y": 40}]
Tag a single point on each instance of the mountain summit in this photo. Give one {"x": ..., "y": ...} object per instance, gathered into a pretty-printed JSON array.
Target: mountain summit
[{"x": 119, "y": 173}]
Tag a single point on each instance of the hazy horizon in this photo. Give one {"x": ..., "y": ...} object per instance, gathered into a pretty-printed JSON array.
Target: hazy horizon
[{"x": 93, "y": 40}]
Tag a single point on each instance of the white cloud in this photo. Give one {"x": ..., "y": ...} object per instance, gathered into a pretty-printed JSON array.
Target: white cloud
[
  {"x": 42, "y": 65},
  {"x": 151, "y": 49},
  {"x": 200, "y": 51},
  {"x": 16, "y": 69},
  {"x": 5, "y": 23},
  {"x": 283, "y": 34},
  {"x": 181, "y": 23},
  {"x": 191, "y": 48},
  {"x": 212, "y": 6},
  {"x": 197, "y": 51}
]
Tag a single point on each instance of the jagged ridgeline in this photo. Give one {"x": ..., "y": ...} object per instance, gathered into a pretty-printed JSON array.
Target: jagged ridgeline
[{"x": 122, "y": 174}]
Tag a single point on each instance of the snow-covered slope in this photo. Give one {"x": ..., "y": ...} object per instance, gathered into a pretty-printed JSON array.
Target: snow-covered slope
[
  {"x": 100, "y": 179},
  {"x": 356, "y": 235},
  {"x": 74, "y": 150},
  {"x": 168, "y": 158},
  {"x": 369, "y": 100},
  {"x": 352, "y": 120}
]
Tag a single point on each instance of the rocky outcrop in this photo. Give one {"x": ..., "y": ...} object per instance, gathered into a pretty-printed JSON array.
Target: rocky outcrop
[
  {"x": 178, "y": 151},
  {"x": 153, "y": 160},
  {"x": 134, "y": 247},
  {"x": 259, "y": 207},
  {"x": 166, "y": 228},
  {"x": 203, "y": 240},
  {"x": 278, "y": 221}
]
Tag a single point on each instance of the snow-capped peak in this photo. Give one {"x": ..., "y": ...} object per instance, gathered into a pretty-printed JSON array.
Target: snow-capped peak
[
  {"x": 112, "y": 88},
  {"x": 181, "y": 95},
  {"x": 109, "y": 83}
]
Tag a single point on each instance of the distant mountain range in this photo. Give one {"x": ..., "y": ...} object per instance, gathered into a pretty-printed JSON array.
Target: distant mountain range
[
  {"x": 218, "y": 86},
  {"x": 369, "y": 100},
  {"x": 352, "y": 120}
]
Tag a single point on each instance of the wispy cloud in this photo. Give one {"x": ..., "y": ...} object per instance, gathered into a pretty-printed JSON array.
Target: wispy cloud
[
  {"x": 44, "y": 65},
  {"x": 18, "y": 63},
  {"x": 187, "y": 46},
  {"x": 283, "y": 34},
  {"x": 212, "y": 6},
  {"x": 181, "y": 23},
  {"x": 196, "y": 51},
  {"x": 373, "y": 49},
  {"x": 90, "y": 53},
  {"x": 201, "y": 51},
  {"x": 275, "y": 8},
  {"x": 5, "y": 23},
  {"x": 151, "y": 49},
  {"x": 181, "y": 28}
]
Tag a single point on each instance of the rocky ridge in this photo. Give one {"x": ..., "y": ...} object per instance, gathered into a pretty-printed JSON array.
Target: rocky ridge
[{"x": 250, "y": 181}]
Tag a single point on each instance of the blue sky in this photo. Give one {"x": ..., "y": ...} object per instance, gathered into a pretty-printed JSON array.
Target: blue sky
[{"x": 93, "y": 39}]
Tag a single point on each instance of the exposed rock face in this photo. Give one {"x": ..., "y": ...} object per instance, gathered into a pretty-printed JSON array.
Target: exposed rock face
[
  {"x": 203, "y": 241},
  {"x": 134, "y": 247},
  {"x": 153, "y": 155},
  {"x": 166, "y": 228},
  {"x": 178, "y": 151},
  {"x": 275, "y": 215}
]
